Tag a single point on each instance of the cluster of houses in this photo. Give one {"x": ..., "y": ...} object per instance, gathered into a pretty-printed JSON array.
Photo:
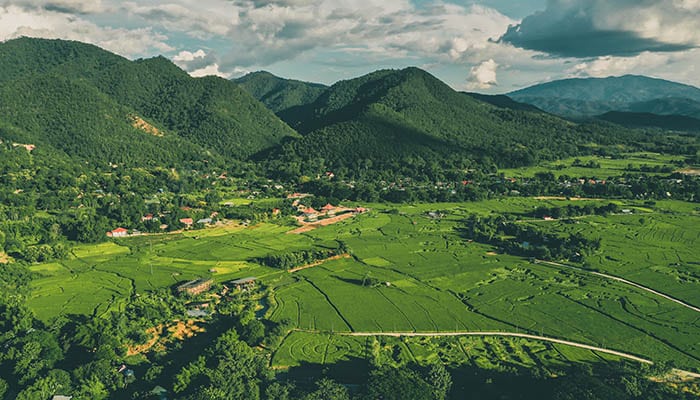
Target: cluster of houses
[
  {"x": 202, "y": 285},
  {"x": 186, "y": 222}
]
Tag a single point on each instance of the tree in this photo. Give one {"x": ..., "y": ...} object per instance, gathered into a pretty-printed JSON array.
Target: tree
[
  {"x": 328, "y": 390},
  {"x": 398, "y": 384},
  {"x": 278, "y": 391},
  {"x": 440, "y": 378},
  {"x": 253, "y": 332}
]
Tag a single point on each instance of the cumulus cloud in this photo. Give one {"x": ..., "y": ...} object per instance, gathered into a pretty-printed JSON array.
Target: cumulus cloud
[
  {"x": 203, "y": 19},
  {"x": 17, "y": 21},
  {"x": 64, "y": 6},
  {"x": 269, "y": 31},
  {"x": 199, "y": 63},
  {"x": 483, "y": 76},
  {"x": 591, "y": 28}
]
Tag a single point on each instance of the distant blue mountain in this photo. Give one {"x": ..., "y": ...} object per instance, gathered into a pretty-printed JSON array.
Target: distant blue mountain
[{"x": 629, "y": 93}]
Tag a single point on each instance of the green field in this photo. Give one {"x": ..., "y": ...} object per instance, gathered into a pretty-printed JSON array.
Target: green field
[
  {"x": 428, "y": 279},
  {"x": 609, "y": 167}
]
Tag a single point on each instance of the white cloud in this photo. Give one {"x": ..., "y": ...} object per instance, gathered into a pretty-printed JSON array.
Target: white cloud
[
  {"x": 16, "y": 22},
  {"x": 681, "y": 67},
  {"x": 67, "y": 6},
  {"x": 202, "y": 19},
  {"x": 392, "y": 29},
  {"x": 483, "y": 76}
]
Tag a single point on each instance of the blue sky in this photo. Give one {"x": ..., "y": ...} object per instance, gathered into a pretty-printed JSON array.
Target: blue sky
[{"x": 490, "y": 46}]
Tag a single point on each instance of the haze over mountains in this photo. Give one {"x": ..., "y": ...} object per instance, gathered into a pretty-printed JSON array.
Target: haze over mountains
[{"x": 629, "y": 93}]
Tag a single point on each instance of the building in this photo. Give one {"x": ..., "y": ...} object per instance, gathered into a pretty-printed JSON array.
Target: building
[
  {"x": 244, "y": 284},
  {"x": 187, "y": 222},
  {"x": 205, "y": 221},
  {"x": 329, "y": 209},
  {"x": 59, "y": 397},
  {"x": 311, "y": 214},
  {"x": 195, "y": 287},
  {"x": 119, "y": 232},
  {"x": 147, "y": 217}
]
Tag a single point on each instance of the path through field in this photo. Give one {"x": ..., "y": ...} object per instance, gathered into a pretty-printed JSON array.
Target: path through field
[
  {"x": 625, "y": 281},
  {"x": 632, "y": 357}
]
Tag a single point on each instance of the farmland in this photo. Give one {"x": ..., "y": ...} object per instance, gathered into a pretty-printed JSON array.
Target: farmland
[{"x": 410, "y": 272}]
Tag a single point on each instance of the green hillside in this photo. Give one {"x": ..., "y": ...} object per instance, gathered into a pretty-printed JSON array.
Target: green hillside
[
  {"x": 393, "y": 117},
  {"x": 502, "y": 101},
  {"x": 76, "y": 118},
  {"x": 669, "y": 122},
  {"x": 280, "y": 94},
  {"x": 94, "y": 104}
]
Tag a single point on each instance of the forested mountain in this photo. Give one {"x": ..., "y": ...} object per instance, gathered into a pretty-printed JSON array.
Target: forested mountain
[
  {"x": 279, "y": 94},
  {"x": 667, "y": 106},
  {"x": 99, "y": 106},
  {"x": 502, "y": 101},
  {"x": 593, "y": 96},
  {"x": 396, "y": 118},
  {"x": 669, "y": 122}
]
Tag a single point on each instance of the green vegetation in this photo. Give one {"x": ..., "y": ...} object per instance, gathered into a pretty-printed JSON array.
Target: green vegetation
[
  {"x": 279, "y": 94},
  {"x": 560, "y": 279},
  {"x": 106, "y": 109}
]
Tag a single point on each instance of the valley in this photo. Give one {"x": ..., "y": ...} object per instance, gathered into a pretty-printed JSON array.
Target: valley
[{"x": 385, "y": 236}]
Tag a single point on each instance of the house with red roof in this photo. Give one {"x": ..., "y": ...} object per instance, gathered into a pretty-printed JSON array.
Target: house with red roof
[
  {"x": 188, "y": 222},
  {"x": 311, "y": 214},
  {"x": 329, "y": 209},
  {"x": 119, "y": 232}
]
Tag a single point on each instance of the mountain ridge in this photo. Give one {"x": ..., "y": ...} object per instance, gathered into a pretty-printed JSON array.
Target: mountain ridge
[
  {"x": 207, "y": 117},
  {"x": 577, "y": 97}
]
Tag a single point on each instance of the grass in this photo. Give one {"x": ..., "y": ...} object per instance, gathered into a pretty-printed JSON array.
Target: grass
[
  {"x": 608, "y": 167},
  {"x": 425, "y": 278}
]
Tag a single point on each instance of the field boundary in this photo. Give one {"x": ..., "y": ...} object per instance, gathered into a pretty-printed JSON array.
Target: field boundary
[
  {"x": 680, "y": 372},
  {"x": 625, "y": 281},
  {"x": 317, "y": 263}
]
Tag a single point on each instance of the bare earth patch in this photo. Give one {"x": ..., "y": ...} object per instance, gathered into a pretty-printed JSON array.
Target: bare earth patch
[
  {"x": 309, "y": 226},
  {"x": 138, "y": 123},
  {"x": 4, "y": 258},
  {"x": 689, "y": 171},
  {"x": 177, "y": 330}
]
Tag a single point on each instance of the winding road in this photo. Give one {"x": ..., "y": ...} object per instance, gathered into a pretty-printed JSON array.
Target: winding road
[
  {"x": 622, "y": 280},
  {"x": 679, "y": 372}
]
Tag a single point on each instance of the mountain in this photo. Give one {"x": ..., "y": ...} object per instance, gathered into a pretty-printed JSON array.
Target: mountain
[
  {"x": 667, "y": 106},
  {"x": 280, "y": 94},
  {"x": 95, "y": 105},
  {"x": 668, "y": 122},
  {"x": 395, "y": 117},
  {"x": 503, "y": 101},
  {"x": 594, "y": 96}
]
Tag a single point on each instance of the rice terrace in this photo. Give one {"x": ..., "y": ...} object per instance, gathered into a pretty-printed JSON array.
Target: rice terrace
[{"x": 411, "y": 287}]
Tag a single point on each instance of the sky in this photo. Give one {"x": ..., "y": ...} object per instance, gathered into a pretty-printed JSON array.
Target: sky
[{"x": 488, "y": 46}]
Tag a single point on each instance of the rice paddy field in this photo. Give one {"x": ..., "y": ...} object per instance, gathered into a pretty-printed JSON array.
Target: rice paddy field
[
  {"x": 605, "y": 166},
  {"x": 426, "y": 279}
]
